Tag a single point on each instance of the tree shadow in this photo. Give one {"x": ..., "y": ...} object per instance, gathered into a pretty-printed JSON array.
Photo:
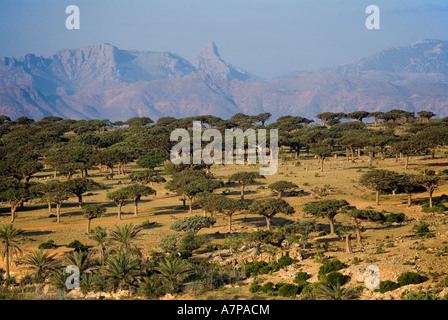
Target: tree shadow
[
  {"x": 260, "y": 221},
  {"x": 174, "y": 209},
  {"x": 151, "y": 225},
  {"x": 443, "y": 164},
  {"x": 32, "y": 233}
]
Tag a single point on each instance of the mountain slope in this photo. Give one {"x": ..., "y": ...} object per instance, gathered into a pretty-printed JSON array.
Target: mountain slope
[{"x": 105, "y": 82}]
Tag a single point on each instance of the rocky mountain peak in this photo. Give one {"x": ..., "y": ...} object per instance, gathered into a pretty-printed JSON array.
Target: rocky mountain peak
[{"x": 209, "y": 61}]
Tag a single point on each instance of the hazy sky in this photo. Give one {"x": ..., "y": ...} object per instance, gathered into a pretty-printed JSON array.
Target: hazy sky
[{"x": 265, "y": 37}]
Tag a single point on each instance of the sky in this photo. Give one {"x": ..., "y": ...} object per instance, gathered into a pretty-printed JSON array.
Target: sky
[{"x": 268, "y": 38}]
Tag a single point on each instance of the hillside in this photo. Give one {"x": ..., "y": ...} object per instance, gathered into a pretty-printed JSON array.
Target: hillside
[{"x": 103, "y": 81}]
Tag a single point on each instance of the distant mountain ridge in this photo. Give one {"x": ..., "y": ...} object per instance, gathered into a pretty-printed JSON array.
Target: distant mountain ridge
[{"x": 105, "y": 82}]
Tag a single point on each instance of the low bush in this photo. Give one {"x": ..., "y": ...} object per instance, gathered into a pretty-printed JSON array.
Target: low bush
[
  {"x": 409, "y": 278},
  {"x": 268, "y": 287},
  {"x": 333, "y": 278},
  {"x": 262, "y": 267},
  {"x": 437, "y": 207},
  {"x": 395, "y": 217},
  {"x": 421, "y": 228},
  {"x": 331, "y": 265},
  {"x": 419, "y": 295},
  {"x": 253, "y": 268},
  {"x": 254, "y": 287},
  {"x": 387, "y": 285},
  {"x": 78, "y": 246},
  {"x": 47, "y": 245},
  {"x": 301, "y": 277},
  {"x": 288, "y": 290}
]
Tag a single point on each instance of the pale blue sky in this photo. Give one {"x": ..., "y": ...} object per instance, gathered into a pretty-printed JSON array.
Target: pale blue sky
[{"x": 265, "y": 37}]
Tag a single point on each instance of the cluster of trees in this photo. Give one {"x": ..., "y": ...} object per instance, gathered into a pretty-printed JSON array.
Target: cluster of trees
[
  {"x": 385, "y": 181},
  {"x": 399, "y": 139},
  {"x": 68, "y": 150}
]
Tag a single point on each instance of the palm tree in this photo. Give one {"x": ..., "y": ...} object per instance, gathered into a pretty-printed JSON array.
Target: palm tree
[
  {"x": 337, "y": 292},
  {"x": 123, "y": 270},
  {"x": 125, "y": 236},
  {"x": 99, "y": 235},
  {"x": 8, "y": 244},
  {"x": 173, "y": 272},
  {"x": 80, "y": 259},
  {"x": 41, "y": 263},
  {"x": 58, "y": 279}
]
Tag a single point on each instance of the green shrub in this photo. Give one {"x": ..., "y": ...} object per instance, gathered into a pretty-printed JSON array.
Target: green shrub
[
  {"x": 78, "y": 246},
  {"x": 419, "y": 295},
  {"x": 437, "y": 207},
  {"x": 320, "y": 257},
  {"x": 395, "y": 217},
  {"x": 333, "y": 278},
  {"x": 409, "y": 278},
  {"x": 331, "y": 265},
  {"x": 268, "y": 287},
  {"x": 443, "y": 283},
  {"x": 191, "y": 241},
  {"x": 387, "y": 285},
  {"x": 253, "y": 268},
  {"x": 288, "y": 290},
  {"x": 301, "y": 277},
  {"x": 47, "y": 245},
  {"x": 421, "y": 228},
  {"x": 147, "y": 223},
  {"x": 254, "y": 287},
  {"x": 284, "y": 262},
  {"x": 265, "y": 269}
]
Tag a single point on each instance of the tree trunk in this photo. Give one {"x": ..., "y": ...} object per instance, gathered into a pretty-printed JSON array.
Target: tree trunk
[
  {"x": 229, "y": 223},
  {"x": 409, "y": 199},
  {"x": 190, "y": 205},
  {"x": 119, "y": 211},
  {"x": 242, "y": 192},
  {"x": 49, "y": 207},
  {"x": 80, "y": 201},
  {"x": 370, "y": 158},
  {"x": 348, "y": 244},
  {"x": 347, "y": 152},
  {"x": 359, "y": 152},
  {"x": 430, "y": 199},
  {"x": 377, "y": 198},
  {"x": 279, "y": 194},
  {"x": 136, "y": 207},
  {"x": 322, "y": 164},
  {"x": 88, "y": 225},
  {"x": 406, "y": 162},
  {"x": 358, "y": 236},
  {"x": 7, "y": 262},
  {"x": 58, "y": 212},
  {"x": 13, "y": 212},
  {"x": 331, "y": 219},
  {"x": 268, "y": 223}
]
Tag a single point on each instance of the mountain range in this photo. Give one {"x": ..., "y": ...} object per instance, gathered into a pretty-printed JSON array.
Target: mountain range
[{"x": 105, "y": 82}]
